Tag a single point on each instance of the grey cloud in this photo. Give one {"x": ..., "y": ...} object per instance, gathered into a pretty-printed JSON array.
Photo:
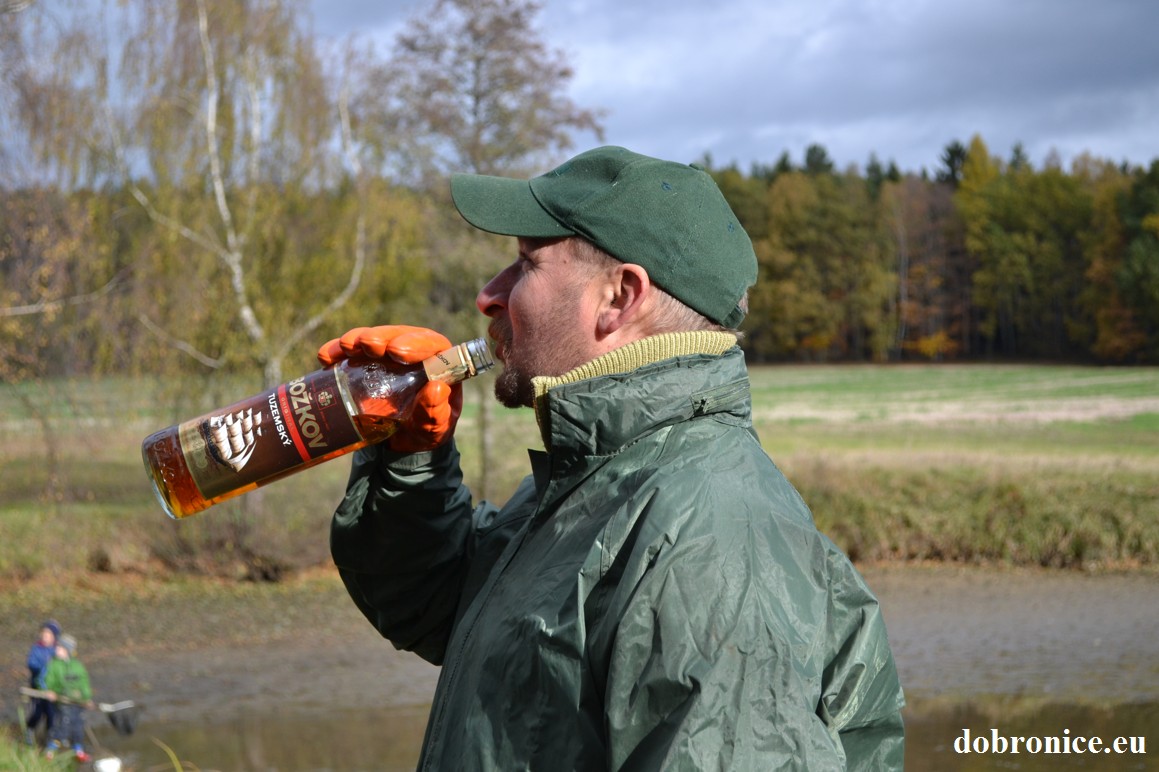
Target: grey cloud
[{"x": 747, "y": 79}]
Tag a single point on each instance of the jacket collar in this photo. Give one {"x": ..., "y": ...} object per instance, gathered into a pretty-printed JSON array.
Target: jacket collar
[{"x": 602, "y": 405}]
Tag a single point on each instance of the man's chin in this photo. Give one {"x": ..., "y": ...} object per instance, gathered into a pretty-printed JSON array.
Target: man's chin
[{"x": 511, "y": 390}]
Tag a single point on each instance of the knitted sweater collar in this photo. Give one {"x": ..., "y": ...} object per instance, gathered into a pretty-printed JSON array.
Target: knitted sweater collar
[{"x": 627, "y": 358}]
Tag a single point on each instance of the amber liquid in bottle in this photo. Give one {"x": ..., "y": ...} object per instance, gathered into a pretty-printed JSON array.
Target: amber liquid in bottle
[{"x": 292, "y": 427}]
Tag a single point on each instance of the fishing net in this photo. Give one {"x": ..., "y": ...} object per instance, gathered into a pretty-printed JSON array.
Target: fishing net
[{"x": 122, "y": 715}]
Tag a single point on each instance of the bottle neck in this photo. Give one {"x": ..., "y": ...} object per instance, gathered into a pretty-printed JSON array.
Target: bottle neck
[{"x": 459, "y": 362}]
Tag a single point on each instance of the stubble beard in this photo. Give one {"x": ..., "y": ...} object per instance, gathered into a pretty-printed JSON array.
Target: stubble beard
[
  {"x": 513, "y": 387},
  {"x": 512, "y": 383}
]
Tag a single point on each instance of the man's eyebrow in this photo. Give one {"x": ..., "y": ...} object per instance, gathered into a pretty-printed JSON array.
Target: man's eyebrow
[
  {"x": 528, "y": 246},
  {"x": 533, "y": 243}
]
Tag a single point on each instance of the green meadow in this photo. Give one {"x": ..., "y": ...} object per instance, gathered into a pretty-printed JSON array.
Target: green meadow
[{"x": 1043, "y": 465}]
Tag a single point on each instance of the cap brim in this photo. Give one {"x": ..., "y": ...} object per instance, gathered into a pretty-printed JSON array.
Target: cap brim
[{"x": 503, "y": 205}]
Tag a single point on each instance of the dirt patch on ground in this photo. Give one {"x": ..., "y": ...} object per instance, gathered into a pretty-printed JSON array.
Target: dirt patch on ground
[
  {"x": 301, "y": 647},
  {"x": 974, "y": 411}
]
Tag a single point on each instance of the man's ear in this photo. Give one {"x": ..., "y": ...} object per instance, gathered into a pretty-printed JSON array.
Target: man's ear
[{"x": 628, "y": 288}]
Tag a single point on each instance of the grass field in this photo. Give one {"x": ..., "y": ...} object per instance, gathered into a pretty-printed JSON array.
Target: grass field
[{"x": 1040, "y": 465}]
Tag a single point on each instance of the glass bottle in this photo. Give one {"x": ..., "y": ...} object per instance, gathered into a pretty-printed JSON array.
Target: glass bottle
[{"x": 299, "y": 424}]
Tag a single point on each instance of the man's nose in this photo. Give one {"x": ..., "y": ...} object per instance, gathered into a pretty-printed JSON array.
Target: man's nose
[{"x": 493, "y": 297}]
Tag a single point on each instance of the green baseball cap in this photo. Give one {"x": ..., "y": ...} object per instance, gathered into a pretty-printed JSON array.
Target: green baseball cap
[{"x": 668, "y": 217}]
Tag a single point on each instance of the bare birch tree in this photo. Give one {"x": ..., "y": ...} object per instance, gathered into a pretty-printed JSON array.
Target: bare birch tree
[{"x": 214, "y": 116}]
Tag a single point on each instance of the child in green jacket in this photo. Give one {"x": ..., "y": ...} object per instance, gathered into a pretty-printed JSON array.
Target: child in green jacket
[{"x": 67, "y": 683}]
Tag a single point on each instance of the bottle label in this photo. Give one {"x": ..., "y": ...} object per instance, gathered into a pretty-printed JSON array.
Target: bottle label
[{"x": 267, "y": 434}]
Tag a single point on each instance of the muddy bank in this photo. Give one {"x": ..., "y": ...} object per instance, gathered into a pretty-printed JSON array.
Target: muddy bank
[
  {"x": 302, "y": 648},
  {"x": 205, "y": 650},
  {"x": 1058, "y": 635}
]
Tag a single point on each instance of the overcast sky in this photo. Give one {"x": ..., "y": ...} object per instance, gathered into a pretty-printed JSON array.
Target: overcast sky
[{"x": 745, "y": 80}]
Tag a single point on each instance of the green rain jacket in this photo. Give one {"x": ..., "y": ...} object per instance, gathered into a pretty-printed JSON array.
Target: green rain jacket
[
  {"x": 655, "y": 596},
  {"x": 69, "y": 679}
]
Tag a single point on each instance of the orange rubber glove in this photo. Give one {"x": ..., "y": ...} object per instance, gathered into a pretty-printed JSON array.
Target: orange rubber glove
[{"x": 437, "y": 407}]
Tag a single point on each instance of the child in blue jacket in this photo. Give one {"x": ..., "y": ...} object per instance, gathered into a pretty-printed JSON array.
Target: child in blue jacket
[{"x": 39, "y": 655}]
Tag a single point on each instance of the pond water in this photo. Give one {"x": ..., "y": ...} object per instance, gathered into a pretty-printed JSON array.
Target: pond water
[
  {"x": 344, "y": 740},
  {"x": 1041, "y": 656},
  {"x": 388, "y": 740}
]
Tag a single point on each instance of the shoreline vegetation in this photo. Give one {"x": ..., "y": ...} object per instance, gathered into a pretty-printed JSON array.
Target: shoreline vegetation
[{"x": 1053, "y": 466}]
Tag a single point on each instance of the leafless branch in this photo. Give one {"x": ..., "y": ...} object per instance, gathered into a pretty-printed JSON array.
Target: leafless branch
[
  {"x": 180, "y": 345},
  {"x": 14, "y": 6},
  {"x": 163, "y": 219},
  {"x": 46, "y": 306}
]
